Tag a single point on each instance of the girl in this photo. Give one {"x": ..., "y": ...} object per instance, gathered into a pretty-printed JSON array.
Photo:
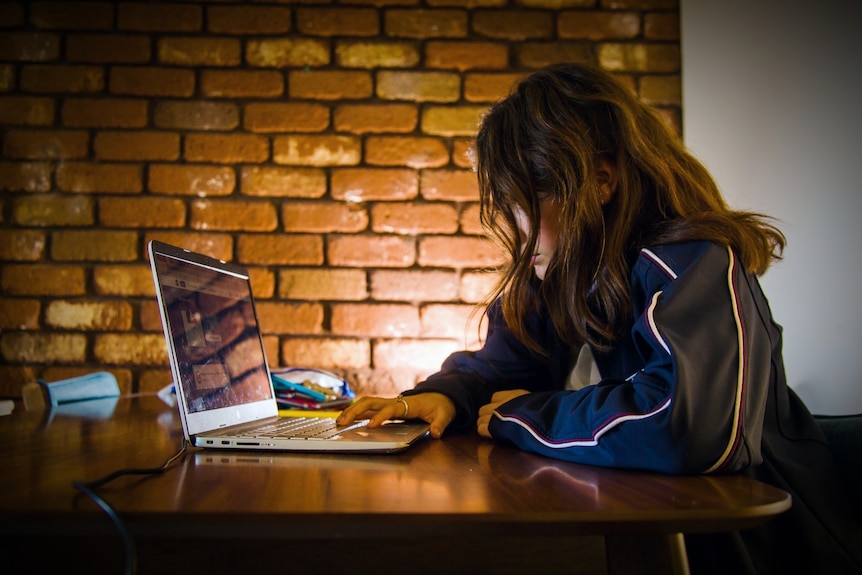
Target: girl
[{"x": 629, "y": 329}]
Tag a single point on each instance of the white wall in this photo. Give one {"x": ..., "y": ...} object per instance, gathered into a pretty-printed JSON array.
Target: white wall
[{"x": 771, "y": 105}]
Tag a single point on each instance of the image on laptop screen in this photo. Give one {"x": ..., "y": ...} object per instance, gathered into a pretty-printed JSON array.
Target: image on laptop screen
[{"x": 212, "y": 326}]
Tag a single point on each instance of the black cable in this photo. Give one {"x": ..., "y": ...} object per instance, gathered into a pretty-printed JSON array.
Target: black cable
[
  {"x": 88, "y": 489},
  {"x": 130, "y": 552}
]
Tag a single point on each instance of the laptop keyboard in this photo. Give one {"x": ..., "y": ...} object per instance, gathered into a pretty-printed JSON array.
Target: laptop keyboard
[{"x": 298, "y": 428}]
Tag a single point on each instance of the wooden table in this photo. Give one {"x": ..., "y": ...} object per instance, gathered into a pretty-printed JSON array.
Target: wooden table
[{"x": 459, "y": 505}]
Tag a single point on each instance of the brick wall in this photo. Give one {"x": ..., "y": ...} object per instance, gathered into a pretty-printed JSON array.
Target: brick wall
[{"x": 322, "y": 144}]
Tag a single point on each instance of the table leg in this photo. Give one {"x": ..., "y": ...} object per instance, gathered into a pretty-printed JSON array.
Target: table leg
[{"x": 646, "y": 554}]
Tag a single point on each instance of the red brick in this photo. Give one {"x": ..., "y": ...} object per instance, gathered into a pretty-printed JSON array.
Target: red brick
[
  {"x": 233, "y": 215},
  {"x": 513, "y": 25},
  {"x": 371, "y": 54},
  {"x": 421, "y": 24},
  {"x": 410, "y": 151},
  {"x": 152, "y": 81},
  {"x": 280, "y": 249},
  {"x": 368, "y": 184},
  {"x": 452, "y": 120},
  {"x": 72, "y": 15},
  {"x": 89, "y": 315},
  {"x": 108, "y": 48},
  {"x": 150, "y": 318},
  {"x": 323, "y": 217},
  {"x": 339, "y": 21},
  {"x": 419, "y": 86},
  {"x": 200, "y": 51},
  {"x": 371, "y": 251},
  {"x": 241, "y": 83},
  {"x": 596, "y": 26},
  {"x": 476, "y": 286},
  {"x": 7, "y": 77},
  {"x": 464, "y": 56},
  {"x": 159, "y": 17},
  {"x": 151, "y": 381},
  {"x": 458, "y": 252},
  {"x": 226, "y": 148},
  {"x": 286, "y": 117},
  {"x": 11, "y": 14},
  {"x": 13, "y": 378},
  {"x": 469, "y": 220},
  {"x": 94, "y": 246},
  {"x": 414, "y": 285},
  {"x": 458, "y": 322},
  {"x": 130, "y": 349},
  {"x": 25, "y": 176},
  {"x": 557, "y": 4},
  {"x": 142, "y": 212},
  {"x": 375, "y": 320},
  {"x": 137, "y": 145},
  {"x": 322, "y": 284},
  {"x": 488, "y": 87},
  {"x": 191, "y": 180},
  {"x": 315, "y": 150},
  {"x": 538, "y": 54},
  {"x": 219, "y": 246},
  {"x": 48, "y": 210},
  {"x": 105, "y": 113},
  {"x": 330, "y": 85},
  {"x": 262, "y": 283},
  {"x": 92, "y": 177},
  {"x": 19, "y": 313},
  {"x": 640, "y": 4},
  {"x": 462, "y": 153},
  {"x": 375, "y": 118},
  {"x": 45, "y": 144},
  {"x": 39, "y": 347},
  {"x": 196, "y": 115},
  {"x": 639, "y": 57},
  {"x": 43, "y": 280},
  {"x": 381, "y": 382},
  {"x": 251, "y": 20},
  {"x": 420, "y": 355},
  {"x": 414, "y": 219},
  {"x": 658, "y": 90},
  {"x": 451, "y": 185},
  {"x": 29, "y": 47},
  {"x": 287, "y": 52},
  {"x": 62, "y": 78},
  {"x": 290, "y": 318},
  {"x": 269, "y": 181},
  {"x": 26, "y": 111},
  {"x": 326, "y": 352},
  {"x": 22, "y": 245},
  {"x": 662, "y": 26},
  {"x": 124, "y": 280}
]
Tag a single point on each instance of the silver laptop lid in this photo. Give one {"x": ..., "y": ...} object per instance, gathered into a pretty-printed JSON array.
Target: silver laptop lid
[{"x": 214, "y": 342}]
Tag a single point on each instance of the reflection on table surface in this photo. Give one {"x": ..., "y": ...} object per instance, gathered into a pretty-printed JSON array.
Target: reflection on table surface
[{"x": 461, "y": 479}]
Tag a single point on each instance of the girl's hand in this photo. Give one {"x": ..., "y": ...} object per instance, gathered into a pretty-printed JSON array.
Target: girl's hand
[
  {"x": 487, "y": 410},
  {"x": 435, "y": 408}
]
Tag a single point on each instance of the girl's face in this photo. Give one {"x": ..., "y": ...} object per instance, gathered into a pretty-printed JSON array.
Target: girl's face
[{"x": 546, "y": 242}]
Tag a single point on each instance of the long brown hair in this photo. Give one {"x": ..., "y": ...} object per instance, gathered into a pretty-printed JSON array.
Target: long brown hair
[{"x": 542, "y": 143}]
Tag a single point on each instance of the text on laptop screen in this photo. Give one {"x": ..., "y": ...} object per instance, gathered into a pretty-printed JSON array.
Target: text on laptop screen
[{"x": 212, "y": 325}]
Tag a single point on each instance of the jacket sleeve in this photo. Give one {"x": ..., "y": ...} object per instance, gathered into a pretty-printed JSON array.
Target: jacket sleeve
[
  {"x": 469, "y": 379},
  {"x": 696, "y": 400}
]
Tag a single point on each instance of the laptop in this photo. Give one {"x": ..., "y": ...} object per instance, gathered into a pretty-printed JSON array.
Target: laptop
[{"x": 223, "y": 383}]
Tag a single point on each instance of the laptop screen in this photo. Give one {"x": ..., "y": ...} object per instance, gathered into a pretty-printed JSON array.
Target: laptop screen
[{"x": 214, "y": 335}]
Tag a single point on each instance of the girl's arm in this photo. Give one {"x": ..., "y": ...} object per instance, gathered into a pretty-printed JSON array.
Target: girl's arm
[
  {"x": 469, "y": 379},
  {"x": 702, "y": 348}
]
